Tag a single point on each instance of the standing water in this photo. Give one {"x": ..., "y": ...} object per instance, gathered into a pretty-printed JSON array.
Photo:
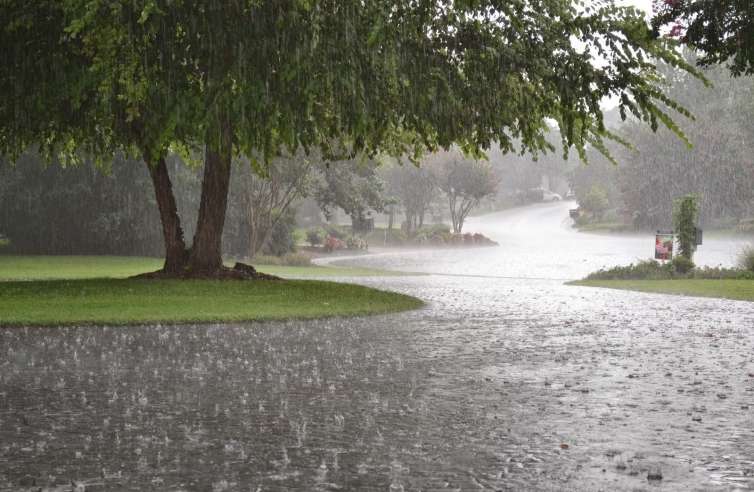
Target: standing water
[{"x": 507, "y": 380}]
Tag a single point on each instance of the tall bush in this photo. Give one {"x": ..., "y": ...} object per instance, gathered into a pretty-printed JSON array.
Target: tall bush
[{"x": 685, "y": 214}]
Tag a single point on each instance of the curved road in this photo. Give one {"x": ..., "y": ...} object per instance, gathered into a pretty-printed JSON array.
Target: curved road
[{"x": 500, "y": 383}]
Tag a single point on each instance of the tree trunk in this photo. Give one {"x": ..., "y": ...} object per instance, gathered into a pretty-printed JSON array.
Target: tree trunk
[
  {"x": 255, "y": 241},
  {"x": 453, "y": 213},
  {"x": 206, "y": 252},
  {"x": 176, "y": 255}
]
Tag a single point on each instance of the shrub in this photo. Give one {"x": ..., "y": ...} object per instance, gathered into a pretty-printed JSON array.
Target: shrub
[
  {"x": 746, "y": 258},
  {"x": 722, "y": 273},
  {"x": 685, "y": 214},
  {"x": 437, "y": 234},
  {"x": 647, "y": 269},
  {"x": 281, "y": 238},
  {"x": 652, "y": 270},
  {"x": 682, "y": 265},
  {"x": 355, "y": 242},
  {"x": 314, "y": 236},
  {"x": 333, "y": 243},
  {"x": 596, "y": 201}
]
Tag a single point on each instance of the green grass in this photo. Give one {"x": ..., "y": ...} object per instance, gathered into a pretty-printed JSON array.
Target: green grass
[
  {"x": 74, "y": 290},
  {"x": 129, "y": 301},
  {"x": 78, "y": 267},
  {"x": 742, "y": 290}
]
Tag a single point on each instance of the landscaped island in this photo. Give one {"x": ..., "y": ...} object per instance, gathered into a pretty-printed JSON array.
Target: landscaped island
[
  {"x": 53, "y": 291},
  {"x": 672, "y": 278}
]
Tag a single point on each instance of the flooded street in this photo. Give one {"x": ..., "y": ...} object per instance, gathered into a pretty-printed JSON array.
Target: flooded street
[{"x": 507, "y": 380}]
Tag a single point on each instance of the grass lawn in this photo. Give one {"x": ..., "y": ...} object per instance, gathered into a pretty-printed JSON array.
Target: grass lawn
[
  {"x": 42, "y": 291},
  {"x": 72, "y": 267},
  {"x": 742, "y": 290}
]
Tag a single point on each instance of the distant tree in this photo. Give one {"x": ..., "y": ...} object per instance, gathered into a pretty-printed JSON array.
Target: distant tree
[
  {"x": 465, "y": 182},
  {"x": 595, "y": 201},
  {"x": 719, "y": 168},
  {"x": 352, "y": 186},
  {"x": 267, "y": 199},
  {"x": 723, "y": 30},
  {"x": 415, "y": 189}
]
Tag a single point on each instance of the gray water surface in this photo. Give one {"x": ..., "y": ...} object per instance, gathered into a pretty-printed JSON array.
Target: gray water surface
[{"x": 500, "y": 383}]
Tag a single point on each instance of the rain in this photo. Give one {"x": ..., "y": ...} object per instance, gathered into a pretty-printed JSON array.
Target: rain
[{"x": 494, "y": 212}]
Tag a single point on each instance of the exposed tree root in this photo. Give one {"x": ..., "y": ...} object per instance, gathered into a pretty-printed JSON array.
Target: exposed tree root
[{"x": 240, "y": 271}]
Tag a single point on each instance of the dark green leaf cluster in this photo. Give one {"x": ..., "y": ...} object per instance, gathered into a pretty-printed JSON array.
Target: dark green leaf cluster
[
  {"x": 685, "y": 216},
  {"x": 344, "y": 76},
  {"x": 723, "y": 30}
]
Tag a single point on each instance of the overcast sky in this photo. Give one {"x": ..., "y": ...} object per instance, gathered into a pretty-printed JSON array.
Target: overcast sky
[{"x": 646, "y": 5}]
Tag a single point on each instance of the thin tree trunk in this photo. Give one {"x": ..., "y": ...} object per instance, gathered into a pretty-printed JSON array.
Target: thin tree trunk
[
  {"x": 206, "y": 252},
  {"x": 253, "y": 229},
  {"x": 453, "y": 213},
  {"x": 176, "y": 255}
]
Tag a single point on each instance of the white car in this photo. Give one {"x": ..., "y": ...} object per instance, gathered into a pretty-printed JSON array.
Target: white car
[{"x": 549, "y": 196}]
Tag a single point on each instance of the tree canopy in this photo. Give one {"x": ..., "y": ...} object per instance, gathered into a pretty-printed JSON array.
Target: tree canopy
[
  {"x": 261, "y": 77},
  {"x": 723, "y": 30}
]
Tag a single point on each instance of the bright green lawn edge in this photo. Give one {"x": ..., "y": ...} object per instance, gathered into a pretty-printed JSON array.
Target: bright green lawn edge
[
  {"x": 135, "y": 302},
  {"x": 741, "y": 290},
  {"x": 95, "y": 290}
]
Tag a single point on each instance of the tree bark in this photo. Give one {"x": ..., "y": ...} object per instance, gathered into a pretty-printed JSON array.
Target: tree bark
[
  {"x": 206, "y": 251},
  {"x": 253, "y": 229},
  {"x": 176, "y": 254}
]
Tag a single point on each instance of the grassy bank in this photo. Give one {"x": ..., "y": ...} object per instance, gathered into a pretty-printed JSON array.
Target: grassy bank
[
  {"x": 742, "y": 290},
  {"x": 48, "y": 290},
  {"x": 128, "y": 301},
  {"x": 79, "y": 267}
]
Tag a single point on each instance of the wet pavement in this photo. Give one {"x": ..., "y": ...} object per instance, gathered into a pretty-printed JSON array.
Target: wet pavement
[{"x": 500, "y": 383}]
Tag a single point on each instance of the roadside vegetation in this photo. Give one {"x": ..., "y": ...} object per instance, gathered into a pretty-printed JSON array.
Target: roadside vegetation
[
  {"x": 637, "y": 193},
  {"x": 680, "y": 277},
  {"x": 330, "y": 238},
  {"x": 672, "y": 270}
]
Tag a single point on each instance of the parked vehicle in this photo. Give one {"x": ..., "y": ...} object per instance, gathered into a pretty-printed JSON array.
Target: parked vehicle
[{"x": 549, "y": 196}]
